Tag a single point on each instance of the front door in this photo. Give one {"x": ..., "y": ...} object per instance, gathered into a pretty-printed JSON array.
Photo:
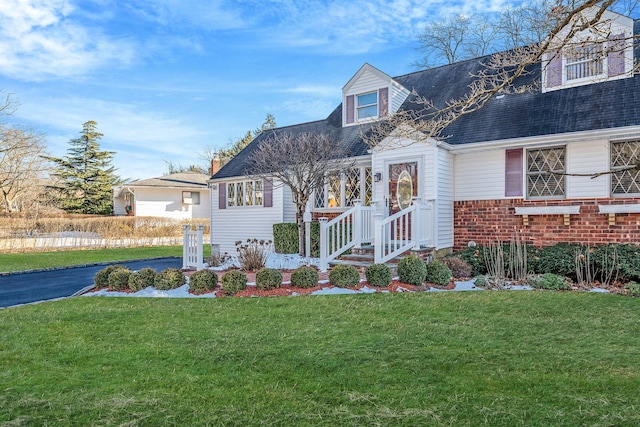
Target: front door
[{"x": 403, "y": 185}]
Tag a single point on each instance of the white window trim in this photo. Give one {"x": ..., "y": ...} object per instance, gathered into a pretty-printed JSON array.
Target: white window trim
[{"x": 359, "y": 107}]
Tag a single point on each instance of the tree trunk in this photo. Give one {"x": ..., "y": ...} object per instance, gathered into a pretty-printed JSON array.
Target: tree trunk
[{"x": 301, "y": 240}]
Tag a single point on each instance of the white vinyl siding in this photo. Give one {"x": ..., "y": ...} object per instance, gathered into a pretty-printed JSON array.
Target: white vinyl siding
[
  {"x": 231, "y": 225},
  {"x": 444, "y": 200},
  {"x": 479, "y": 175},
  {"x": 167, "y": 202},
  {"x": 585, "y": 158}
]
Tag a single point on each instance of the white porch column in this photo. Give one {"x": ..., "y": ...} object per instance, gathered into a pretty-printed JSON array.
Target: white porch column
[
  {"x": 306, "y": 217},
  {"x": 357, "y": 224},
  {"x": 185, "y": 246},
  {"x": 377, "y": 240}
]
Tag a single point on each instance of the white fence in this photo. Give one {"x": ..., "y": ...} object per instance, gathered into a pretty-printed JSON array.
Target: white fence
[{"x": 192, "y": 256}]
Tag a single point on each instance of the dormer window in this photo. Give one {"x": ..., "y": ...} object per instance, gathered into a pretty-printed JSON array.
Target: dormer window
[
  {"x": 367, "y": 105},
  {"x": 583, "y": 62}
]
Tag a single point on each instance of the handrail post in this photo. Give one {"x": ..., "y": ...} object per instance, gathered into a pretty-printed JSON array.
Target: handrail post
[
  {"x": 377, "y": 239},
  {"x": 416, "y": 228},
  {"x": 357, "y": 224},
  {"x": 324, "y": 245}
]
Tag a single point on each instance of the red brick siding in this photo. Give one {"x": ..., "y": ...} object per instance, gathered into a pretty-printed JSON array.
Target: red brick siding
[
  {"x": 484, "y": 221},
  {"x": 315, "y": 216}
]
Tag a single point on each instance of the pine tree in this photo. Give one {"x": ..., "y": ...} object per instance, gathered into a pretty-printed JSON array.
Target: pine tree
[{"x": 85, "y": 177}]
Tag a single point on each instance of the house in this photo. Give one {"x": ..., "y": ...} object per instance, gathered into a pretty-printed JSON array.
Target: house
[
  {"x": 524, "y": 163},
  {"x": 179, "y": 196}
]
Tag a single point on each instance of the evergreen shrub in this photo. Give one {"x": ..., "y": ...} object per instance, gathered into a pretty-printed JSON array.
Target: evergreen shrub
[
  {"x": 233, "y": 282},
  {"x": 203, "y": 280},
  {"x": 548, "y": 281},
  {"x": 141, "y": 279},
  {"x": 378, "y": 275},
  {"x": 344, "y": 275},
  {"x": 438, "y": 273},
  {"x": 412, "y": 270},
  {"x": 305, "y": 277},
  {"x": 169, "y": 278},
  {"x": 119, "y": 278},
  {"x": 268, "y": 278},
  {"x": 101, "y": 279}
]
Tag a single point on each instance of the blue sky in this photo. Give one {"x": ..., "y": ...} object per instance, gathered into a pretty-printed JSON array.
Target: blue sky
[{"x": 166, "y": 78}]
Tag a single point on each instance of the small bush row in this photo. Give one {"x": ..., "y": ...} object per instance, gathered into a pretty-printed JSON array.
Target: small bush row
[{"x": 120, "y": 278}]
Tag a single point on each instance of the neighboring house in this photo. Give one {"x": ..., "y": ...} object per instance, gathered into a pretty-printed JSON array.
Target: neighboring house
[
  {"x": 489, "y": 175},
  {"x": 179, "y": 195}
]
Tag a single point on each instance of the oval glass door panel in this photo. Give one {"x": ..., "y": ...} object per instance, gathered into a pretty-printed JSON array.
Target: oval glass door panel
[{"x": 404, "y": 190}]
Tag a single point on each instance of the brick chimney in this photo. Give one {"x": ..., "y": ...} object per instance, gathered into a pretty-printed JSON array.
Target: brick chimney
[{"x": 215, "y": 165}]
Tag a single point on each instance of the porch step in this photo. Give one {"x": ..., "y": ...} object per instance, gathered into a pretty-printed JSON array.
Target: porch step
[{"x": 361, "y": 258}]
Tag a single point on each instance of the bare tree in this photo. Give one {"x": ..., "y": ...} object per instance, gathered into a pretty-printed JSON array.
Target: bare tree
[
  {"x": 498, "y": 73},
  {"x": 22, "y": 168},
  {"x": 301, "y": 162}
]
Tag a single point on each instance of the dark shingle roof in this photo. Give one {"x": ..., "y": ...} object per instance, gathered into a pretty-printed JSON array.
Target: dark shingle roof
[{"x": 594, "y": 106}]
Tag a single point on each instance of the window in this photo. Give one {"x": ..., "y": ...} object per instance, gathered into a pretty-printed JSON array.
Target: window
[
  {"x": 343, "y": 191},
  {"x": 624, "y": 155},
  {"x": 191, "y": 197},
  {"x": 584, "y": 61},
  {"x": 367, "y": 106},
  {"x": 545, "y": 169},
  {"x": 245, "y": 193}
]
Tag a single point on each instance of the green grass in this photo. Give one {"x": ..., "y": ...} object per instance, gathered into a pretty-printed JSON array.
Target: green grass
[
  {"x": 35, "y": 260},
  {"x": 513, "y": 358}
]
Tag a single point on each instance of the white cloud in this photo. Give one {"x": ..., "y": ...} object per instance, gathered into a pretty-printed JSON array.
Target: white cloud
[
  {"x": 39, "y": 40},
  {"x": 141, "y": 138}
]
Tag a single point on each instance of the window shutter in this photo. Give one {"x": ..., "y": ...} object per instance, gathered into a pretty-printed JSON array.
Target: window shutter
[
  {"x": 554, "y": 69},
  {"x": 615, "y": 57},
  {"x": 267, "y": 186},
  {"x": 383, "y": 107},
  {"x": 350, "y": 109},
  {"x": 222, "y": 195},
  {"x": 513, "y": 173}
]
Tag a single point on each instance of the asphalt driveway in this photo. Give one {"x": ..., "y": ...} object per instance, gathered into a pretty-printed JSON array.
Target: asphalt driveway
[{"x": 24, "y": 288}]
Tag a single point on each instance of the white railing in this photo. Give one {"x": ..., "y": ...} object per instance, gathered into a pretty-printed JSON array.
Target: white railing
[
  {"x": 192, "y": 253},
  {"x": 410, "y": 228},
  {"x": 350, "y": 229}
]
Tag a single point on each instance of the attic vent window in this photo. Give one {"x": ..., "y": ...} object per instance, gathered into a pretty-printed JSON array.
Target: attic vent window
[
  {"x": 367, "y": 105},
  {"x": 584, "y": 61}
]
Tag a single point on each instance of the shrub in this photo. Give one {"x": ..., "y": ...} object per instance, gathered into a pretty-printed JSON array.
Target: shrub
[
  {"x": 474, "y": 256},
  {"x": 305, "y": 277},
  {"x": 268, "y": 278},
  {"x": 141, "y": 279},
  {"x": 438, "y": 273},
  {"x": 119, "y": 278},
  {"x": 285, "y": 238},
  {"x": 233, "y": 282},
  {"x": 344, "y": 275},
  {"x": 203, "y": 280},
  {"x": 169, "y": 278},
  {"x": 253, "y": 254},
  {"x": 412, "y": 270},
  {"x": 101, "y": 279},
  {"x": 633, "y": 289},
  {"x": 378, "y": 275},
  {"x": 548, "y": 281},
  {"x": 481, "y": 282},
  {"x": 558, "y": 259},
  {"x": 458, "y": 266},
  {"x": 624, "y": 260}
]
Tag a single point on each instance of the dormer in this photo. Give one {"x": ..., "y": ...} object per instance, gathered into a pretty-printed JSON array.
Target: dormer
[
  {"x": 603, "y": 52},
  {"x": 370, "y": 95}
]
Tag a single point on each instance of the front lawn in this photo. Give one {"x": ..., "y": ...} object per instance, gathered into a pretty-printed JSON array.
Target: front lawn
[
  {"x": 35, "y": 260},
  {"x": 497, "y": 358}
]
